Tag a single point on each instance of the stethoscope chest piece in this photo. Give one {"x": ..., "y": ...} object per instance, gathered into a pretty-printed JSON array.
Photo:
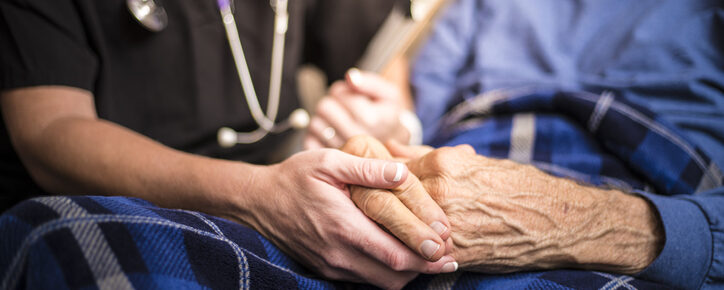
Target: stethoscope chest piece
[{"x": 149, "y": 13}]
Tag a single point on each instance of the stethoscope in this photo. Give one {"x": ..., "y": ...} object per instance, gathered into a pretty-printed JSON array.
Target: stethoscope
[{"x": 153, "y": 17}]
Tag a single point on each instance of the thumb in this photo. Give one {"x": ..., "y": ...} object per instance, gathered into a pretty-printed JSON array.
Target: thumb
[
  {"x": 374, "y": 173},
  {"x": 372, "y": 85}
]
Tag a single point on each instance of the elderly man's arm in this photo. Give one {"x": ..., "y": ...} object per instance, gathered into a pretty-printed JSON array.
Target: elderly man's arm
[{"x": 509, "y": 217}]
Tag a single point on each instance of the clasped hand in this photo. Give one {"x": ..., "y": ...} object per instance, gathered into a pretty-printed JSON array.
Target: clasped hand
[
  {"x": 304, "y": 207},
  {"x": 504, "y": 216},
  {"x": 363, "y": 103}
]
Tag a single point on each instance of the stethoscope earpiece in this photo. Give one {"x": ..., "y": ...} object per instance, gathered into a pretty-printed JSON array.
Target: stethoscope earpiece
[{"x": 149, "y": 14}]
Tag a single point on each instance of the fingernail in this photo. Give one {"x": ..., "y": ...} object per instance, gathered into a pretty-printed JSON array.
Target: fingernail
[
  {"x": 393, "y": 173},
  {"x": 449, "y": 267},
  {"x": 429, "y": 248},
  {"x": 354, "y": 76},
  {"x": 438, "y": 227}
]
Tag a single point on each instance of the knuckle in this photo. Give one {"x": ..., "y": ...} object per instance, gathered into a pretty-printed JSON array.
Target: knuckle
[
  {"x": 357, "y": 145},
  {"x": 439, "y": 158},
  {"x": 335, "y": 260},
  {"x": 376, "y": 203},
  {"x": 448, "y": 159},
  {"x": 466, "y": 148},
  {"x": 395, "y": 261},
  {"x": 324, "y": 105},
  {"x": 337, "y": 88},
  {"x": 446, "y": 152},
  {"x": 437, "y": 187}
]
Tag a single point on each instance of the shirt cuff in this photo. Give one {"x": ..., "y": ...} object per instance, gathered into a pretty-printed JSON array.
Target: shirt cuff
[
  {"x": 409, "y": 120},
  {"x": 686, "y": 257}
]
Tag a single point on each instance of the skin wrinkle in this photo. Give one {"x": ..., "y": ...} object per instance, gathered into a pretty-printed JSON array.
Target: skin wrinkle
[
  {"x": 547, "y": 240},
  {"x": 375, "y": 207},
  {"x": 400, "y": 210},
  {"x": 508, "y": 217},
  {"x": 560, "y": 229}
]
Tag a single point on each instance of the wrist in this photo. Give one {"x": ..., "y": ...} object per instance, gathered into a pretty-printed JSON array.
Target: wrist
[
  {"x": 229, "y": 189},
  {"x": 627, "y": 235}
]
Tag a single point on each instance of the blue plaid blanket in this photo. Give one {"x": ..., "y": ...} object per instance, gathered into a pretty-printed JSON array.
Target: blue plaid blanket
[{"x": 116, "y": 242}]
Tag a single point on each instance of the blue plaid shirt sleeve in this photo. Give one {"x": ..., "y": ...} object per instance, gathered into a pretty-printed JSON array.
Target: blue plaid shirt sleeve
[
  {"x": 694, "y": 250},
  {"x": 444, "y": 58}
]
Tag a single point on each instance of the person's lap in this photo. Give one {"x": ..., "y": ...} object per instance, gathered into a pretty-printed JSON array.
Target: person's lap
[{"x": 89, "y": 241}]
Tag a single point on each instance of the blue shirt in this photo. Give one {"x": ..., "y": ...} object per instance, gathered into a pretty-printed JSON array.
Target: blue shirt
[{"x": 667, "y": 56}]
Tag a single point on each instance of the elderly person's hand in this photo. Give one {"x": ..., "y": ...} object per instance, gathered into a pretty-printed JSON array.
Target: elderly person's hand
[
  {"x": 364, "y": 103},
  {"x": 509, "y": 217},
  {"x": 407, "y": 211}
]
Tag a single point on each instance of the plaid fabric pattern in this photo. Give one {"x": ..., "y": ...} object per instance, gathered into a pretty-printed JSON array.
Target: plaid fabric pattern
[
  {"x": 117, "y": 242},
  {"x": 93, "y": 242},
  {"x": 598, "y": 139}
]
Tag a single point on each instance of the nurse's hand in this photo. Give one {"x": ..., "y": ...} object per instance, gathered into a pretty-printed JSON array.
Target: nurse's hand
[
  {"x": 303, "y": 205},
  {"x": 363, "y": 104},
  {"x": 407, "y": 210}
]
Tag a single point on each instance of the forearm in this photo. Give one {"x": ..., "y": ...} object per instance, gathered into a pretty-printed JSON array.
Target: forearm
[
  {"x": 67, "y": 149},
  {"x": 77, "y": 155},
  {"x": 625, "y": 235},
  {"x": 605, "y": 231}
]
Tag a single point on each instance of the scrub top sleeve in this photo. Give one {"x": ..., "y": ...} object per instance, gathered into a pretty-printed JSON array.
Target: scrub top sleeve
[
  {"x": 44, "y": 43},
  {"x": 693, "y": 253}
]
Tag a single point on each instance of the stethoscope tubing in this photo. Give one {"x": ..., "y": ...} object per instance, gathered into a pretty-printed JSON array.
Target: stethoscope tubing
[{"x": 267, "y": 121}]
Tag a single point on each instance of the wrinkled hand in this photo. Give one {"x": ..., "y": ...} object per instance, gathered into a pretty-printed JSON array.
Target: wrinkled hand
[
  {"x": 509, "y": 217},
  {"x": 305, "y": 209},
  {"x": 364, "y": 103},
  {"x": 406, "y": 210}
]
